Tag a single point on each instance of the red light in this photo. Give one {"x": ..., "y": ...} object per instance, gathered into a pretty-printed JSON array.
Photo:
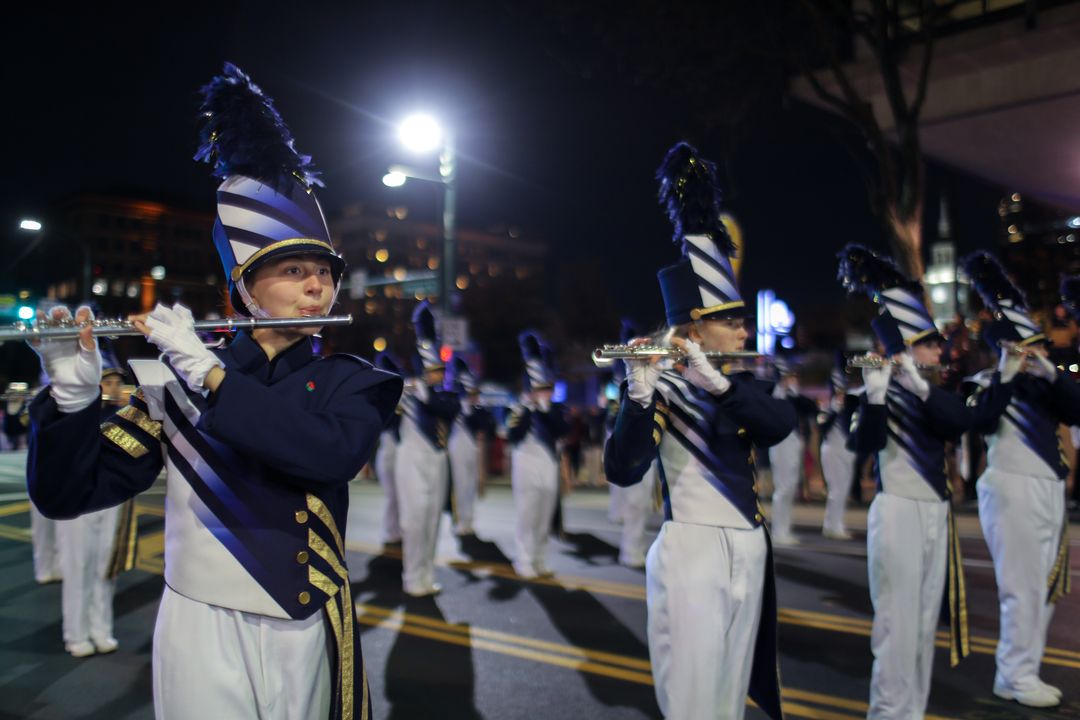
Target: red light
[{"x": 445, "y": 353}]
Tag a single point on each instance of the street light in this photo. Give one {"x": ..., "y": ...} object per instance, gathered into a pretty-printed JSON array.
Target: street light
[
  {"x": 31, "y": 225},
  {"x": 422, "y": 133}
]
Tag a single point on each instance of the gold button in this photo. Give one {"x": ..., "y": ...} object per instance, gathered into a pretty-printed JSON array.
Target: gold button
[
  {"x": 301, "y": 516},
  {"x": 754, "y": 487},
  {"x": 742, "y": 432},
  {"x": 302, "y": 557},
  {"x": 757, "y": 517},
  {"x": 304, "y": 597}
]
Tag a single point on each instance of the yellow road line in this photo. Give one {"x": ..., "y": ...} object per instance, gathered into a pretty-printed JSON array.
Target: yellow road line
[
  {"x": 584, "y": 654},
  {"x": 15, "y": 508},
  {"x": 833, "y": 701},
  {"x": 14, "y": 533},
  {"x": 149, "y": 560},
  {"x": 569, "y": 656}
]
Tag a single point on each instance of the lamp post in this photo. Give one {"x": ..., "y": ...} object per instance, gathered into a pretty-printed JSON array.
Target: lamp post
[{"x": 421, "y": 133}]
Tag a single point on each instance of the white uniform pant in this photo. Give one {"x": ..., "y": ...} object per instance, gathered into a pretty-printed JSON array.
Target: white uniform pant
[
  {"x": 385, "y": 458},
  {"x": 212, "y": 662},
  {"x": 637, "y": 501},
  {"x": 593, "y": 464},
  {"x": 421, "y": 477},
  {"x": 86, "y": 544},
  {"x": 43, "y": 538},
  {"x": 907, "y": 551},
  {"x": 785, "y": 459},
  {"x": 1021, "y": 519},
  {"x": 465, "y": 478},
  {"x": 704, "y": 586},
  {"x": 838, "y": 466},
  {"x": 616, "y": 500},
  {"x": 534, "y": 478}
]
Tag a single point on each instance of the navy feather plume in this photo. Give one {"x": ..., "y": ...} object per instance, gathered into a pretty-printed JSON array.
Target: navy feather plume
[
  {"x": 690, "y": 193},
  {"x": 531, "y": 347},
  {"x": 1070, "y": 294},
  {"x": 424, "y": 322},
  {"x": 863, "y": 270},
  {"x": 990, "y": 280},
  {"x": 243, "y": 134}
]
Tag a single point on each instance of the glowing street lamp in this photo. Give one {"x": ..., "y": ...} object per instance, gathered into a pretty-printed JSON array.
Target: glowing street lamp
[
  {"x": 30, "y": 225},
  {"x": 394, "y": 179},
  {"x": 422, "y": 133}
]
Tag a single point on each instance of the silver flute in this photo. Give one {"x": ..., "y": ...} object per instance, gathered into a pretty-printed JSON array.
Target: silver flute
[
  {"x": 608, "y": 354},
  {"x": 69, "y": 328},
  {"x": 876, "y": 361}
]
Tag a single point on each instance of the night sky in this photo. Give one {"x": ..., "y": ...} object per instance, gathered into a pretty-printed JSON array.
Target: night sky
[{"x": 105, "y": 100}]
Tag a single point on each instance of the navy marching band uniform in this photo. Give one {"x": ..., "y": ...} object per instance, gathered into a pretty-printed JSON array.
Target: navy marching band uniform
[
  {"x": 422, "y": 468},
  {"x": 534, "y": 430},
  {"x": 257, "y": 471},
  {"x": 707, "y": 655},
  {"x": 837, "y": 462},
  {"x": 386, "y": 460},
  {"x": 1022, "y": 491},
  {"x": 473, "y": 424},
  {"x": 786, "y": 458},
  {"x": 912, "y": 545}
]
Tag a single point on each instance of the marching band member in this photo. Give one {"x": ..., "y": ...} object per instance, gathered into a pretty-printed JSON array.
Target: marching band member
[
  {"x": 85, "y": 545},
  {"x": 837, "y": 462},
  {"x": 786, "y": 457},
  {"x": 534, "y": 430},
  {"x": 911, "y": 538},
  {"x": 709, "y": 579},
  {"x": 637, "y": 499},
  {"x": 1022, "y": 491},
  {"x": 259, "y": 441},
  {"x": 16, "y": 398},
  {"x": 422, "y": 468},
  {"x": 472, "y": 427},
  {"x": 385, "y": 460}
]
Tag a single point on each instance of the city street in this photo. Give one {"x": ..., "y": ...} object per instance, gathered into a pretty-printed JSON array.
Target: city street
[{"x": 495, "y": 646}]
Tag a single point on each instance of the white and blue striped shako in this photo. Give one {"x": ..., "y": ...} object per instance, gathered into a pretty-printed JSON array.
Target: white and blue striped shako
[
  {"x": 265, "y": 207},
  {"x": 427, "y": 340},
  {"x": 459, "y": 378},
  {"x": 1004, "y": 299},
  {"x": 904, "y": 304},
  {"x": 702, "y": 283},
  {"x": 903, "y": 319},
  {"x": 537, "y": 355}
]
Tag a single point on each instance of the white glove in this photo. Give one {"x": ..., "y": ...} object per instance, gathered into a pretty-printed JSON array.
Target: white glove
[
  {"x": 641, "y": 377},
  {"x": 420, "y": 390},
  {"x": 74, "y": 372},
  {"x": 910, "y": 379},
  {"x": 1009, "y": 364},
  {"x": 876, "y": 382},
  {"x": 700, "y": 372},
  {"x": 835, "y": 403},
  {"x": 173, "y": 331},
  {"x": 526, "y": 401},
  {"x": 543, "y": 404},
  {"x": 1041, "y": 367}
]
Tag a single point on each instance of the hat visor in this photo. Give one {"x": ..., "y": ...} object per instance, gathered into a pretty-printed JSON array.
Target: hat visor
[
  {"x": 734, "y": 309},
  {"x": 290, "y": 248}
]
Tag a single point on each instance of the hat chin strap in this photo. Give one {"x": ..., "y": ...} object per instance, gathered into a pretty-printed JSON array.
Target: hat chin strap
[
  {"x": 253, "y": 309},
  {"x": 258, "y": 312}
]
